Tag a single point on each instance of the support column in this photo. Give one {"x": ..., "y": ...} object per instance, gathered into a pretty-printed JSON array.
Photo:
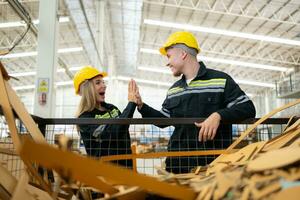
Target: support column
[
  {"x": 100, "y": 31},
  {"x": 112, "y": 83},
  {"x": 44, "y": 100},
  {"x": 267, "y": 102}
]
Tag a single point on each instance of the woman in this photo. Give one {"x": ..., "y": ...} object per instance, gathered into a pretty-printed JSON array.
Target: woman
[{"x": 102, "y": 140}]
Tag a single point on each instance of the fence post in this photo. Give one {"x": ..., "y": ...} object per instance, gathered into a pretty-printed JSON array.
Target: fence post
[{"x": 134, "y": 152}]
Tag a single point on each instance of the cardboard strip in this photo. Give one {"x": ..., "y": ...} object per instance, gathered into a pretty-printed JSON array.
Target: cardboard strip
[
  {"x": 274, "y": 159},
  {"x": 4, "y": 72},
  {"x": 165, "y": 154},
  {"x": 282, "y": 141},
  {"x": 7, "y": 180},
  {"x": 20, "y": 191},
  {"x": 24, "y": 116},
  {"x": 292, "y": 193},
  {"x": 8, "y": 99},
  {"x": 128, "y": 194},
  {"x": 289, "y": 126},
  {"x": 82, "y": 168},
  {"x": 8, "y": 113},
  {"x": 252, "y": 127},
  {"x": 25, "y": 191}
]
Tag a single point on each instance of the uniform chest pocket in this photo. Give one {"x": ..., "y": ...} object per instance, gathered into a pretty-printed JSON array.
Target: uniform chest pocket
[
  {"x": 208, "y": 99},
  {"x": 203, "y": 105}
]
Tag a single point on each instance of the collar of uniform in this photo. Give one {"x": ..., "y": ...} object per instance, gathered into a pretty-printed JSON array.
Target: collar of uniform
[
  {"x": 201, "y": 72},
  {"x": 106, "y": 106},
  {"x": 202, "y": 69}
]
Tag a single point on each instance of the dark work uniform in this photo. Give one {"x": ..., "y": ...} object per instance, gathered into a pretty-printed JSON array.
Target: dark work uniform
[
  {"x": 210, "y": 91},
  {"x": 109, "y": 139}
]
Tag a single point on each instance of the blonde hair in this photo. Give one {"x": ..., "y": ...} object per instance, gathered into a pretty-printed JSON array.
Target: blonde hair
[{"x": 88, "y": 97}]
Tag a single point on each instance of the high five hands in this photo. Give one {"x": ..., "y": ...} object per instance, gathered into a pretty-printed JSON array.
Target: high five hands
[{"x": 133, "y": 93}]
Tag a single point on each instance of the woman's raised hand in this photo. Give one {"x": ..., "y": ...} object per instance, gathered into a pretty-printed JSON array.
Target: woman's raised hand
[{"x": 133, "y": 93}]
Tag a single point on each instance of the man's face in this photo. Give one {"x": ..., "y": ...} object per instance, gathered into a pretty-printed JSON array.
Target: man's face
[{"x": 175, "y": 60}]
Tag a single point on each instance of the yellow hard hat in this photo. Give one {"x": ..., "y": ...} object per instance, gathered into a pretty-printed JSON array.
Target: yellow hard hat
[
  {"x": 180, "y": 37},
  {"x": 86, "y": 73}
]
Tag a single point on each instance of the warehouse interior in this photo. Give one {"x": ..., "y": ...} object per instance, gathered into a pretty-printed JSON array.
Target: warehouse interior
[
  {"x": 256, "y": 42},
  {"x": 124, "y": 40}
]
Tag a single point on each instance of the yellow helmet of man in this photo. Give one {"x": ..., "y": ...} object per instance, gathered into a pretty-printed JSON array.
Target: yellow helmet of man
[
  {"x": 86, "y": 73},
  {"x": 180, "y": 37}
]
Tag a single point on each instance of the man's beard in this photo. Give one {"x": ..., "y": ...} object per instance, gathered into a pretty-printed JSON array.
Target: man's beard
[{"x": 176, "y": 74}]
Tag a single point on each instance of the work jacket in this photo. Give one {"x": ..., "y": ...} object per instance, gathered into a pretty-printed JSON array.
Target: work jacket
[
  {"x": 210, "y": 91},
  {"x": 107, "y": 139}
]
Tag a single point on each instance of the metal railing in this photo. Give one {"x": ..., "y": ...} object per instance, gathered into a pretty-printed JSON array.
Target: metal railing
[{"x": 149, "y": 143}]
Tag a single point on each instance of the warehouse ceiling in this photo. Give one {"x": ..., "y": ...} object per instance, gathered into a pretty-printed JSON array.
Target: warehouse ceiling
[{"x": 256, "y": 41}]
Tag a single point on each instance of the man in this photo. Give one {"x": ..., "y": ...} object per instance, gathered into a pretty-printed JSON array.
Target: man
[{"x": 200, "y": 93}]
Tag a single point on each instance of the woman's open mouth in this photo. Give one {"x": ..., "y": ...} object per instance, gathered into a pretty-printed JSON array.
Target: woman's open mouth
[{"x": 102, "y": 94}]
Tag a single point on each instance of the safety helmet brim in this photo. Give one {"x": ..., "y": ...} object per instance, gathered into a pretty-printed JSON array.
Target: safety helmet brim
[
  {"x": 86, "y": 73},
  {"x": 180, "y": 37}
]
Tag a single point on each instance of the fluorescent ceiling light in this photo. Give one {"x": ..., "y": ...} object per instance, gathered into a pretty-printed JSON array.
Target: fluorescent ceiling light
[
  {"x": 25, "y": 87},
  {"x": 151, "y": 51},
  {"x": 34, "y": 73},
  {"x": 61, "y": 83},
  {"x": 245, "y": 82},
  {"x": 64, "y": 19},
  {"x": 23, "y": 74},
  {"x": 70, "y": 69},
  {"x": 222, "y": 32},
  {"x": 244, "y": 64},
  {"x": 67, "y": 50},
  {"x": 22, "y": 23},
  {"x": 12, "y": 24},
  {"x": 64, "y": 83},
  {"x": 155, "y": 69},
  {"x": 227, "y": 61},
  {"x": 256, "y": 83},
  {"x": 19, "y": 55},
  {"x": 61, "y": 20},
  {"x": 34, "y": 53}
]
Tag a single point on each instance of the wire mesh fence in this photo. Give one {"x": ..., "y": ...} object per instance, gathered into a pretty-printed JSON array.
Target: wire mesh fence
[
  {"x": 146, "y": 149},
  {"x": 8, "y": 157}
]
